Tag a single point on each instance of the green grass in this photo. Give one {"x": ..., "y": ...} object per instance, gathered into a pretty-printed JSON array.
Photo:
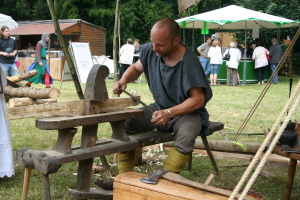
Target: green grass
[{"x": 230, "y": 105}]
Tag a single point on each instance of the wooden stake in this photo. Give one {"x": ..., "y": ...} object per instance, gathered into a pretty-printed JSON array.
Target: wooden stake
[{"x": 27, "y": 174}]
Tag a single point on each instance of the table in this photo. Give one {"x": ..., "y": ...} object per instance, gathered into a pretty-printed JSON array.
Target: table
[
  {"x": 247, "y": 73},
  {"x": 294, "y": 157}
]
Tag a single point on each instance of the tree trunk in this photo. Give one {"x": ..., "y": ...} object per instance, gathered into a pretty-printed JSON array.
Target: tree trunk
[
  {"x": 17, "y": 102},
  {"x": 23, "y": 76},
  {"x": 116, "y": 42},
  {"x": 35, "y": 93}
]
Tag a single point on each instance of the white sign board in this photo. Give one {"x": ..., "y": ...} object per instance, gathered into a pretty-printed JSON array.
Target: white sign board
[{"x": 83, "y": 59}]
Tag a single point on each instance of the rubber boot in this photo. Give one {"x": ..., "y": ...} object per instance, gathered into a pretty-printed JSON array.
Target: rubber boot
[
  {"x": 125, "y": 161},
  {"x": 176, "y": 161}
]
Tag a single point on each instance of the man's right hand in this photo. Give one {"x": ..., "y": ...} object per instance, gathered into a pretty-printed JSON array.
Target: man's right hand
[{"x": 117, "y": 86}]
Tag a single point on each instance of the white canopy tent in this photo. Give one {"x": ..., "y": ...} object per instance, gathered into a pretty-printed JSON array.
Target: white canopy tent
[
  {"x": 235, "y": 17},
  {"x": 7, "y": 21}
]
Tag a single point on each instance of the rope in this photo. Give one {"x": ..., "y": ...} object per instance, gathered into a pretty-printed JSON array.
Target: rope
[
  {"x": 265, "y": 142},
  {"x": 269, "y": 83}
]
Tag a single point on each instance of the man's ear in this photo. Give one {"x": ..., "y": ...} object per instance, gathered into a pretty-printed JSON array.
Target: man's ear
[{"x": 176, "y": 41}]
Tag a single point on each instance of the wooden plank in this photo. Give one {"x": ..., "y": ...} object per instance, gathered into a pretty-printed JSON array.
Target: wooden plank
[
  {"x": 69, "y": 108},
  {"x": 52, "y": 160},
  {"x": 132, "y": 188},
  {"x": 53, "y": 123}
]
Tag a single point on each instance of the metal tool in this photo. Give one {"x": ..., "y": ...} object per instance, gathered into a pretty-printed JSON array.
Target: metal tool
[
  {"x": 12, "y": 84},
  {"x": 136, "y": 99}
]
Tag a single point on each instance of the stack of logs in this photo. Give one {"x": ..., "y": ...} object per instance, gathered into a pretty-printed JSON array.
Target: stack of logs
[{"x": 19, "y": 94}]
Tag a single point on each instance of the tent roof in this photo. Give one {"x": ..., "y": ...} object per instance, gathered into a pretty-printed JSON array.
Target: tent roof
[
  {"x": 7, "y": 21},
  {"x": 235, "y": 17}
]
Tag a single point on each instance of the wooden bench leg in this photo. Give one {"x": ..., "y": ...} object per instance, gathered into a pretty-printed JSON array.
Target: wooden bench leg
[
  {"x": 27, "y": 174},
  {"x": 223, "y": 135},
  {"x": 105, "y": 166},
  {"x": 46, "y": 184},
  {"x": 290, "y": 179},
  {"x": 210, "y": 155}
]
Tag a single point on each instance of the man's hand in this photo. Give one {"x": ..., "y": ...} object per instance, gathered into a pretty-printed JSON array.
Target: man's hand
[
  {"x": 117, "y": 86},
  {"x": 160, "y": 117},
  {"x": 40, "y": 64}
]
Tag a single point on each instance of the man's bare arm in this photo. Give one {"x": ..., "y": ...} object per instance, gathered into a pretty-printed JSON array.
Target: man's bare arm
[{"x": 194, "y": 102}]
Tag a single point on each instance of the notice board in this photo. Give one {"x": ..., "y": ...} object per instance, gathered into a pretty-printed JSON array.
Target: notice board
[{"x": 83, "y": 59}]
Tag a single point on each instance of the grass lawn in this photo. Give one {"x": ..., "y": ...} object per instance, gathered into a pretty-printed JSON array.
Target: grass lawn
[{"x": 229, "y": 105}]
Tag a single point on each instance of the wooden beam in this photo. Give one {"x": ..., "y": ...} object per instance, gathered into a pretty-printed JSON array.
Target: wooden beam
[{"x": 70, "y": 108}]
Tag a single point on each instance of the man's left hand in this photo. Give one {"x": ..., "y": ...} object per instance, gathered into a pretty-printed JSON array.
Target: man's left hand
[{"x": 160, "y": 117}]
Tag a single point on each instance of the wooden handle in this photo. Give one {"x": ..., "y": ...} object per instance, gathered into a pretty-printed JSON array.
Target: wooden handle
[
  {"x": 27, "y": 174},
  {"x": 209, "y": 179},
  {"x": 181, "y": 180}
]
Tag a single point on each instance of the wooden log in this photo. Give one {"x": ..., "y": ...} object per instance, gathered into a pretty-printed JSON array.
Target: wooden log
[
  {"x": 69, "y": 108},
  {"x": 23, "y": 76},
  {"x": 227, "y": 146},
  {"x": 35, "y": 93},
  {"x": 45, "y": 101},
  {"x": 16, "y": 102},
  {"x": 18, "y": 83}
]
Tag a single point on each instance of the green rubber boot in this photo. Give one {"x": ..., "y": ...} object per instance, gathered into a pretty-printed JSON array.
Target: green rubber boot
[
  {"x": 176, "y": 161},
  {"x": 125, "y": 161}
]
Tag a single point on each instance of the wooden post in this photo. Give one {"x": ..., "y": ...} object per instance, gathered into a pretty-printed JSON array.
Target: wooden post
[
  {"x": 116, "y": 38},
  {"x": 65, "y": 49}
]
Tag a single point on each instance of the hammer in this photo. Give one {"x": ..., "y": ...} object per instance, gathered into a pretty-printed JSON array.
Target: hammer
[{"x": 166, "y": 174}]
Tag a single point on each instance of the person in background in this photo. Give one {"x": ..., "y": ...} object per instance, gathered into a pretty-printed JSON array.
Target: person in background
[
  {"x": 137, "y": 46},
  {"x": 6, "y": 149},
  {"x": 232, "y": 64},
  {"x": 275, "y": 54},
  {"x": 216, "y": 60},
  {"x": 40, "y": 63},
  {"x": 137, "y": 49},
  {"x": 180, "y": 90},
  {"x": 8, "y": 51},
  {"x": 203, "y": 50},
  {"x": 249, "y": 50},
  {"x": 30, "y": 47},
  {"x": 239, "y": 47},
  {"x": 126, "y": 56},
  {"x": 261, "y": 61}
]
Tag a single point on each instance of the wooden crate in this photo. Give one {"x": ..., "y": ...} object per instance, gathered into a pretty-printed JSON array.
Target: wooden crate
[{"x": 127, "y": 186}]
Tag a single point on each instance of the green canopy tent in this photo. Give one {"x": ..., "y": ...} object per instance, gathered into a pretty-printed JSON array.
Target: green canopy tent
[{"x": 235, "y": 17}]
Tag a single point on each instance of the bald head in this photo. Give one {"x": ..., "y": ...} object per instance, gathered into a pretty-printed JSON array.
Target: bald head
[{"x": 172, "y": 27}]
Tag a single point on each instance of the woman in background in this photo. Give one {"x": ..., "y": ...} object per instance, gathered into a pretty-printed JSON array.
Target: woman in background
[
  {"x": 6, "y": 150},
  {"x": 40, "y": 63},
  {"x": 261, "y": 61},
  {"x": 215, "y": 55},
  {"x": 233, "y": 63}
]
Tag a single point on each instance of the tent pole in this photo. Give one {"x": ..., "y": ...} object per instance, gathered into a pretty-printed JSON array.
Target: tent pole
[
  {"x": 245, "y": 60},
  {"x": 193, "y": 36}
]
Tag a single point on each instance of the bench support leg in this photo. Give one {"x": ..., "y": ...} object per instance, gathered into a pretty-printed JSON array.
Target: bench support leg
[
  {"x": 210, "y": 155},
  {"x": 46, "y": 184}
]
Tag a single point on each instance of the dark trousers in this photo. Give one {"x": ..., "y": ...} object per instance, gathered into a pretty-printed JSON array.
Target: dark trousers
[
  {"x": 123, "y": 68},
  {"x": 260, "y": 73},
  {"x": 186, "y": 128}
]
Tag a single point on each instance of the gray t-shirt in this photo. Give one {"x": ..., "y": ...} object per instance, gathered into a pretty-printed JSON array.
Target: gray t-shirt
[
  {"x": 204, "y": 48},
  {"x": 170, "y": 85}
]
